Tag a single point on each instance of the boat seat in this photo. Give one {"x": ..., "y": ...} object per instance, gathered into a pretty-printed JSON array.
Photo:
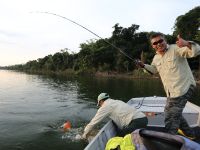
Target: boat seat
[{"x": 154, "y": 140}]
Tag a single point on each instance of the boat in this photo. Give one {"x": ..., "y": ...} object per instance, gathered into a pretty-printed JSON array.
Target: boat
[{"x": 153, "y": 107}]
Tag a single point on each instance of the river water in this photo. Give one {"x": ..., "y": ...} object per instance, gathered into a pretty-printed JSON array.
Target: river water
[{"x": 32, "y": 107}]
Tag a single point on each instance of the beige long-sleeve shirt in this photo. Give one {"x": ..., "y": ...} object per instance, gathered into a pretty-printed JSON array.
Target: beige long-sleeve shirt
[
  {"x": 174, "y": 70},
  {"x": 121, "y": 113}
]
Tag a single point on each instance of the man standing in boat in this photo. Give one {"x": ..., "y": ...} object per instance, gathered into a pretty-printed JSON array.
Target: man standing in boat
[
  {"x": 123, "y": 115},
  {"x": 171, "y": 63}
]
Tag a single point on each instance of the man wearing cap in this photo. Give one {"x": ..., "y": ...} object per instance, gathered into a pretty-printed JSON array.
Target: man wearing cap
[{"x": 126, "y": 118}]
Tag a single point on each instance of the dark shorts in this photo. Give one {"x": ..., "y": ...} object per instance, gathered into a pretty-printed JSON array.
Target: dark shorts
[{"x": 133, "y": 125}]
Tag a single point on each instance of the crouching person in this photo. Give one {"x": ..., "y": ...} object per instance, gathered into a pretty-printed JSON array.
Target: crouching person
[{"x": 125, "y": 117}]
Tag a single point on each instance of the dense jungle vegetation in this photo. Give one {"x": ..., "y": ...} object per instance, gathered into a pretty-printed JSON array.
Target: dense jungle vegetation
[{"x": 98, "y": 56}]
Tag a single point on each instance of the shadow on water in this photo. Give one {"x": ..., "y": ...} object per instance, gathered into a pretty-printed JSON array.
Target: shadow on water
[
  {"x": 124, "y": 89},
  {"x": 88, "y": 88}
]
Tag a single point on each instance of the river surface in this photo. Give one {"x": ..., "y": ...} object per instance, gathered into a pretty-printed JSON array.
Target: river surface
[{"x": 32, "y": 107}]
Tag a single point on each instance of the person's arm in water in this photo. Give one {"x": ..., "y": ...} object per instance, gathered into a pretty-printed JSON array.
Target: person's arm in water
[{"x": 102, "y": 113}]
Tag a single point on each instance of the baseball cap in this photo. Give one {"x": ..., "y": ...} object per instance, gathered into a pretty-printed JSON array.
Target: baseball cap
[{"x": 102, "y": 96}]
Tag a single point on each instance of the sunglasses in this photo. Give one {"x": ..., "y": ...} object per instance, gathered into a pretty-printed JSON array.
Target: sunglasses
[{"x": 159, "y": 41}]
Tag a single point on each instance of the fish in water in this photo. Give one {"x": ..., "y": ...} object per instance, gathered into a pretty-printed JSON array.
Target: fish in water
[{"x": 66, "y": 126}]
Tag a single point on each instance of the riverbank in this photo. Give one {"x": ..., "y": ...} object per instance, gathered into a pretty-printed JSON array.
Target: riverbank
[
  {"x": 136, "y": 74},
  {"x": 131, "y": 76}
]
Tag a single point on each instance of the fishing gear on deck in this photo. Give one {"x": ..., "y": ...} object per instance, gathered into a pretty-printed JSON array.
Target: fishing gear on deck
[{"x": 136, "y": 61}]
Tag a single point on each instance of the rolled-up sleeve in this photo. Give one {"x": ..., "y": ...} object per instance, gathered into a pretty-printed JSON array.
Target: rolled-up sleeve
[
  {"x": 151, "y": 68},
  {"x": 102, "y": 113}
]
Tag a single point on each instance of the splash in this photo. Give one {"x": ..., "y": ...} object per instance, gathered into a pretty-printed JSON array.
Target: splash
[{"x": 73, "y": 134}]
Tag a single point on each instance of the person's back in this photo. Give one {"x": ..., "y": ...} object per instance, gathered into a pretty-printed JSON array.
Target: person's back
[
  {"x": 122, "y": 113},
  {"x": 126, "y": 118}
]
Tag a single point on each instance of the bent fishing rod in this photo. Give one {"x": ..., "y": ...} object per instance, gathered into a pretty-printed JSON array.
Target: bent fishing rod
[
  {"x": 88, "y": 31},
  {"x": 134, "y": 60}
]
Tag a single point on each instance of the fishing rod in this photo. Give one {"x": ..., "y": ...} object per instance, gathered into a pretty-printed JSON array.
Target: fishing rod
[
  {"x": 90, "y": 32},
  {"x": 136, "y": 61}
]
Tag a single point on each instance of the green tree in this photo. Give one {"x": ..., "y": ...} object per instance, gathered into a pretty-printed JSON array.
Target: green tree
[{"x": 188, "y": 25}]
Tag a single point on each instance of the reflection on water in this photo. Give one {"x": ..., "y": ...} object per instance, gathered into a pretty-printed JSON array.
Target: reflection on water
[{"x": 32, "y": 107}]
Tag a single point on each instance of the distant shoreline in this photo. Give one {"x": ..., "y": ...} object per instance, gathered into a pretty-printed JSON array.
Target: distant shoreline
[
  {"x": 130, "y": 76},
  {"x": 137, "y": 74}
]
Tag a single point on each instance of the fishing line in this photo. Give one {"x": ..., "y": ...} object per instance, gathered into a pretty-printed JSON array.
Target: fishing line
[{"x": 135, "y": 61}]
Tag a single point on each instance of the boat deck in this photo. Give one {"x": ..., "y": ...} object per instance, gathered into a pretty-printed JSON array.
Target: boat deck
[{"x": 153, "y": 107}]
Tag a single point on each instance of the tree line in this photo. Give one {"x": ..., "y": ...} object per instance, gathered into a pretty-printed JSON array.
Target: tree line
[{"x": 98, "y": 55}]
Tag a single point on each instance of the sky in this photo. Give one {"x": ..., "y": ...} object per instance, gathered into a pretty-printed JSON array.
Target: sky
[{"x": 27, "y": 35}]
